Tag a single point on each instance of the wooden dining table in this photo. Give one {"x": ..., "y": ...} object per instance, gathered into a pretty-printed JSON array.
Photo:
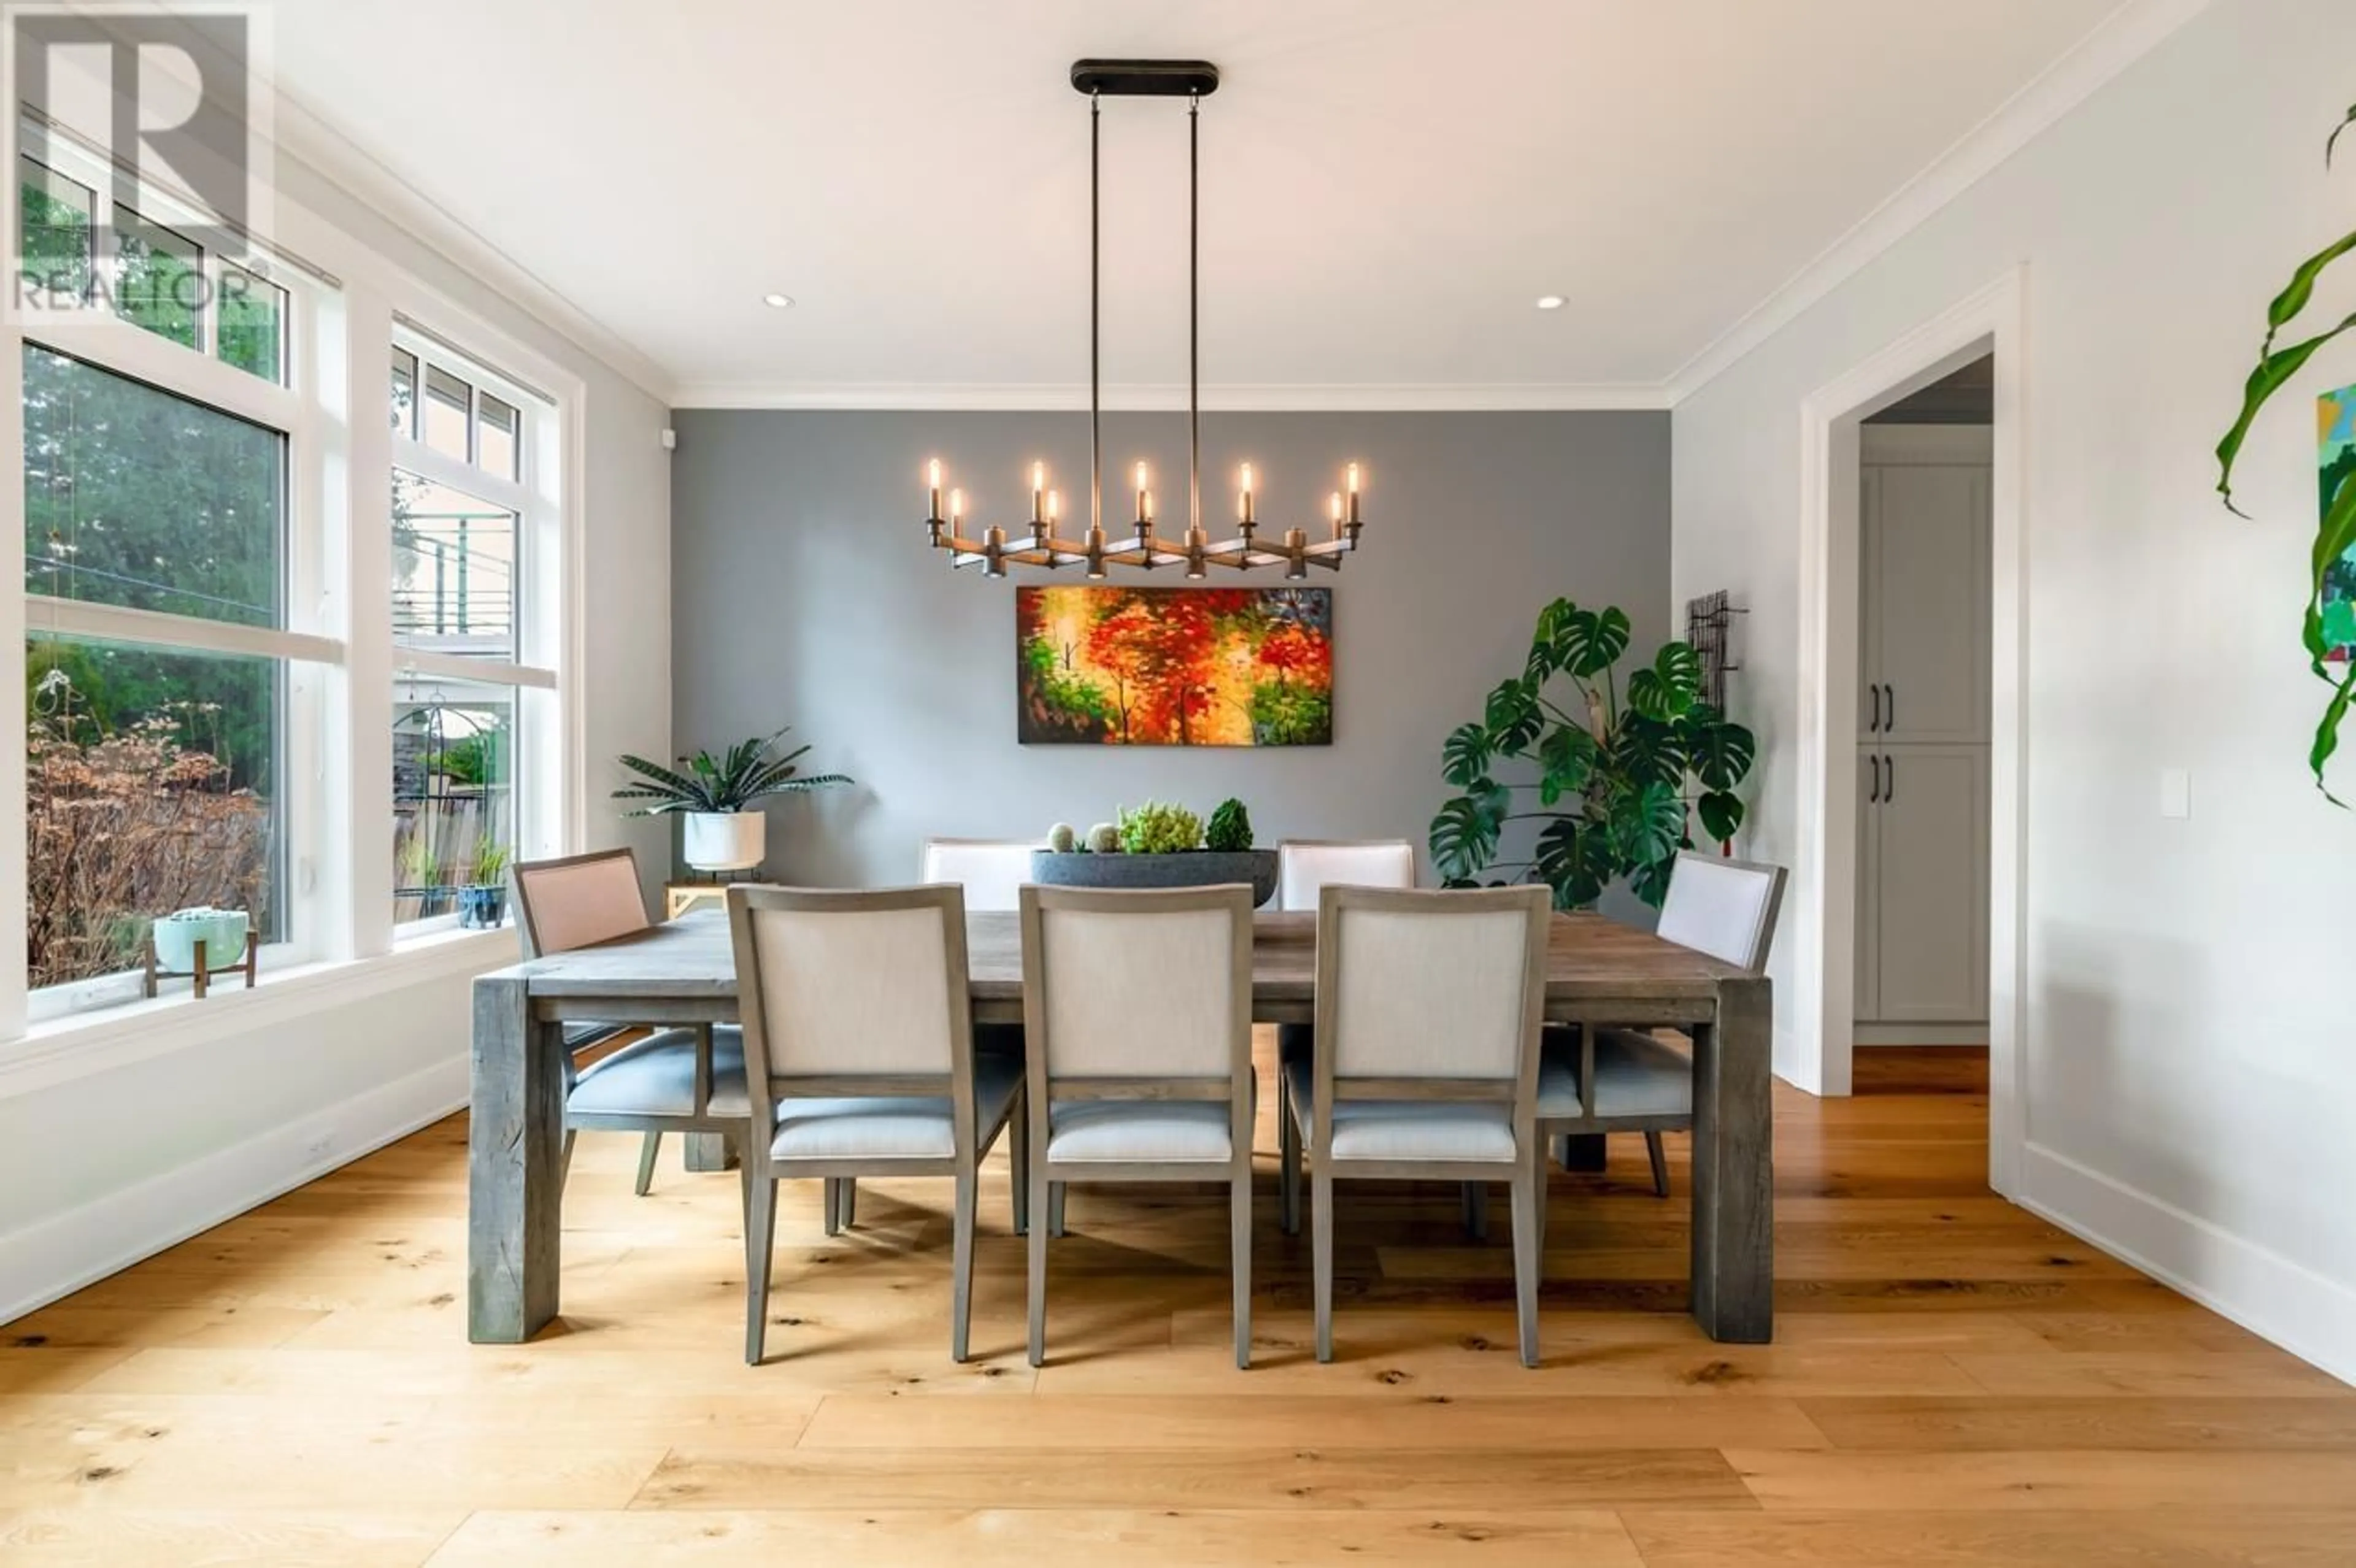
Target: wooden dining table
[{"x": 1599, "y": 973}]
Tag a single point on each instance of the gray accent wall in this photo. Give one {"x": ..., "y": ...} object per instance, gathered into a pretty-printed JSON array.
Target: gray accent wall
[{"x": 803, "y": 593}]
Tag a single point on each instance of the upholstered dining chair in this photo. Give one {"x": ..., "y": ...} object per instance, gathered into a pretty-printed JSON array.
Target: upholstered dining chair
[
  {"x": 1429, "y": 1010},
  {"x": 1594, "y": 1081},
  {"x": 1304, "y": 868},
  {"x": 675, "y": 1080},
  {"x": 1137, "y": 1009},
  {"x": 859, "y": 1049},
  {"x": 991, "y": 872}
]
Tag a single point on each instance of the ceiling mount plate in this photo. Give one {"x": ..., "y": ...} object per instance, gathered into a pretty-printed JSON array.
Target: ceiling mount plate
[{"x": 1145, "y": 78}]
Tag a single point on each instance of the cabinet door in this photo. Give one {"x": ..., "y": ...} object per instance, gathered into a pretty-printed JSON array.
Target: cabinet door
[
  {"x": 1929, "y": 558},
  {"x": 1868, "y": 873},
  {"x": 1930, "y": 945}
]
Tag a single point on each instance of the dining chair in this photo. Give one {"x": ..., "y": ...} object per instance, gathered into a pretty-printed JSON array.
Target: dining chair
[
  {"x": 1428, "y": 1009},
  {"x": 991, "y": 872},
  {"x": 1137, "y": 1010},
  {"x": 675, "y": 1080},
  {"x": 858, "y": 1025},
  {"x": 1599, "y": 1081},
  {"x": 1304, "y": 868}
]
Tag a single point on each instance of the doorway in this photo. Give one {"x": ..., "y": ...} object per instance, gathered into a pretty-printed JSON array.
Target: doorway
[
  {"x": 1838, "y": 721},
  {"x": 1926, "y": 471}
]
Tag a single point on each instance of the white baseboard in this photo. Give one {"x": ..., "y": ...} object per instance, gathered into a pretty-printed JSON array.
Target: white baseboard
[
  {"x": 2274, "y": 1298},
  {"x": 57, "y": 1256}
]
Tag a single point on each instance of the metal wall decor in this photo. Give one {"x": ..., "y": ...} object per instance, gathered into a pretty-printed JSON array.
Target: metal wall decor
[{"x": 1142, "y": 548}]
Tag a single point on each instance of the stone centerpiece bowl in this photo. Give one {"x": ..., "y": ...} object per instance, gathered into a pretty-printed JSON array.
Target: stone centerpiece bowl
[{"x": 1192, "y": 869}]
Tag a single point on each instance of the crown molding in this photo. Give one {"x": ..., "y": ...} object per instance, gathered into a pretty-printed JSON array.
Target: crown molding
[
  {"x": 2123, "y": 37},
  {"x": 300, "y": 132},
  {"x": 1263, "y": 398}
]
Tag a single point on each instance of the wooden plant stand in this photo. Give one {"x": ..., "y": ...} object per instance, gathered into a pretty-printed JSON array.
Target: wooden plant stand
[{"x": 203, "y": 972}]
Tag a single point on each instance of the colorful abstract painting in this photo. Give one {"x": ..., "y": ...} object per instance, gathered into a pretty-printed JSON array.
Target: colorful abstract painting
[
  {"x": 2335, "y": 466},
  {"x": 1175, "y": 667}
]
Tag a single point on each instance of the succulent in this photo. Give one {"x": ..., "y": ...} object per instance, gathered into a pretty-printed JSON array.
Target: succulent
[
  {"x": 1230, "y": 827},
  {"x": 1104, "y": 838},
  {"x": 1062, "y": 839},
  {"x": 1159, "y": 828}
]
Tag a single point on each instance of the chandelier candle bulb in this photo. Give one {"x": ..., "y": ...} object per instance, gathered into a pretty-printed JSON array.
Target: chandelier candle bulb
[
  {"x": 1248, "y": 518},
  {"x": 1336, "y": 508},
  {"x": 957, "y": 505},
  {"x": 1354, "y": 492},
  {"x": 933, "y": 473},
  {"x": 1038, "y": 490}
]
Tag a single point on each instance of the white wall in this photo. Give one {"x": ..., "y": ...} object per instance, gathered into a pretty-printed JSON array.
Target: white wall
[
  {"x": 100, "y": 1169},
  {"x": 2189, "y": 1073}
]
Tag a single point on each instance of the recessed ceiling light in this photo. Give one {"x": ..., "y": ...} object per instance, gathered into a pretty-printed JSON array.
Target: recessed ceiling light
[
  {"x": 778, "y": 302},
  {"x": 1551, "y": 302}
]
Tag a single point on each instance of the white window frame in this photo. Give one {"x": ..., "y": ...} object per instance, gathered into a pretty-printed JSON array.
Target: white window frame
[
  {"x": 345, "y": 300},
  {"x": 539, "y": 609},
  {"x": 306, "y": 649}
]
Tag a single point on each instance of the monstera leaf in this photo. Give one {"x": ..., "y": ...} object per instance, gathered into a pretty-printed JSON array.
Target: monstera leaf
[{"x": 1611, "y": 782}]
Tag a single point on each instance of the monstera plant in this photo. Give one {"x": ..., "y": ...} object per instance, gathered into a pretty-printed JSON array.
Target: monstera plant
[
  {"x": 1615, "y": 771},
  {"x": 2336, "y": 536}
]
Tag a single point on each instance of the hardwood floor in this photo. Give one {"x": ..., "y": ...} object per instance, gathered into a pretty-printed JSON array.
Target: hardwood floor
[{"x": 1952, "y": 1382}]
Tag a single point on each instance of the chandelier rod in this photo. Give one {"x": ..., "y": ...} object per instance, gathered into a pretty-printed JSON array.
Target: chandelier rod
[
  {"x": 1194, "y": 314},
  {"x": 1096, "y": 247}
]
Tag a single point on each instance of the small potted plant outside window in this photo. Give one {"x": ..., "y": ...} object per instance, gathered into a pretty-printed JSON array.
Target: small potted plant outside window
[
  {"x": 718, "y": 798},
  {"x": 483, "y": 900},
  {"x": 1159, "y": 845}
]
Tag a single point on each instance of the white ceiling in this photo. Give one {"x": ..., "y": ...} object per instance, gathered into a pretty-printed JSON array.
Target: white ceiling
[{"x": 1388, "y": 184}]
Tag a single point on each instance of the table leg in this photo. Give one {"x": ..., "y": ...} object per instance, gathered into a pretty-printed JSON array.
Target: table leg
[
  {"x": 514, "y": 1176},
  {"x": 710, "y": 1151},
  {"x": 1733, "y": 1168}
]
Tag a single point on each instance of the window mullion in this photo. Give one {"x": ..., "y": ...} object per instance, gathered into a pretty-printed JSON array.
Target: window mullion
[
  {"x": 160, "y": 629},
  {"x": 14, "y": 871}
]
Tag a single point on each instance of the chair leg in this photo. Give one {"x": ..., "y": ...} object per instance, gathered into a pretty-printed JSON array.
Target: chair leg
[
  {"x": 847, "y": 1195},
  {"x": 1239, "y": 1241},
  {"x": 1018, "y": 1161},
  {"x": 968, "y": 1183},
  {"x": 646, "y": 1152},
  {"x": 832, "y": 1200},
  {"x": 1287, "y": 1146},
  {"x": 1475, "y": 1204},
  {"x": 1040, "y": 1203},
  {"x": 1321, "y": 1248},
  {"x": 1527, "y": 1261},
  {"x": 1660, "y": 1164},
  {"x": 760, "y": 1241},
  {"x": 564, "y": 1160},
  {"x": 1054, "y": 1209}
]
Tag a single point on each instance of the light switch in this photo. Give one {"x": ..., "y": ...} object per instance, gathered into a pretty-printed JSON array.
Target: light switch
[{"x": 2175, "y": 793}]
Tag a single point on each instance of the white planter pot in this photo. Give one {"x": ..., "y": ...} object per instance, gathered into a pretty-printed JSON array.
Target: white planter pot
[{"x": 725, "y": 841}]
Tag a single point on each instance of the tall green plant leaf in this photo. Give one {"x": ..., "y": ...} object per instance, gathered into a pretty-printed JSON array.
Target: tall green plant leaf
[
  {"x": 1666, "y": 690},
  {"x": 1593, "y": 641},
  {"x": 2333, "y": 140},
  {"x": 1649, "y": 824},
  {"x": 1464, "y": 757},
  {"x": 2333, "y": 541},
  {"x": 1566, "y": 755},
  {"x": 1515, "y": 719},
  {"x": 1648, "y": 750},
  {"x": 1463, "y": 839},
  {"x": 1719, "y": 751},
  {"x": 2327, "y": 734},
  {"x": 1721, "y": 814},
  {"x": 2274, "y": 373},
  {"x": 1549, "y": 652},
  {"x": 1651, "y": 884}
]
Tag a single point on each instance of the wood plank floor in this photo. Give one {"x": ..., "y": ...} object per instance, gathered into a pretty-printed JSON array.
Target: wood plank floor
[{"x": 1952, "y": 1382}]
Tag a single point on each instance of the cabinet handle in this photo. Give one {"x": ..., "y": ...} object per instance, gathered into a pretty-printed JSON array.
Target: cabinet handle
[
  {"x": 1873, "y": 795},
  {"x": 1873, "y": 694},
  {"x": 1890, "y": 723},
  {"x": 1889, "y": 789}
]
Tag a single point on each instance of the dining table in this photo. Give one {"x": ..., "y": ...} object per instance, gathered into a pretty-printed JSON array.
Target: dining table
[{"x": 1600, "y": 973}]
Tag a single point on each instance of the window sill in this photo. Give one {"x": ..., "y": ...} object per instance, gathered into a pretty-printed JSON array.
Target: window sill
[{"x": 85, "y": 1044}]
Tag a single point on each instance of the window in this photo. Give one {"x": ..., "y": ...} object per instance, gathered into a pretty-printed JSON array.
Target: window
[
  {"x": 192, "y": 653},
  {"x": 472, "y": 616},
  {"x": 138, "y": 498}
]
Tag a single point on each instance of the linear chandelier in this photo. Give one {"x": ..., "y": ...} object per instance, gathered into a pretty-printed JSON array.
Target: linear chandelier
[{"x": 1145, "y": 550}]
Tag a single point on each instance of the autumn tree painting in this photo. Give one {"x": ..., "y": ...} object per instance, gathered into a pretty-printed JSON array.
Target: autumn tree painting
[{"x": 1175, "y": 667}]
